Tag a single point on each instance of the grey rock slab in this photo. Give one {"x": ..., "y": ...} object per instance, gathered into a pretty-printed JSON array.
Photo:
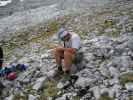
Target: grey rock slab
[
  {"x": 83, "y": 81},
  {"x": 32, "y": 97},
  {"x": 121, "y": 61},
  {"x": 115, "y": 90},
  {"x": 104, "y": 90},
  {"x": 25, "y": 76},
  {"x": 39, "y": 83},
  {"x": 26, "y": 81},
  {"x": 51, "y": 73},
  {"x": 66, "y": 95},
  {"x": 89, "y": 56},
  {"x": 96, "y": 92},
  {"x": 10, "y": 97},
  {"x": 104, "y": 70},
  {"x": 44, "y": 56},
  {"x": 129, "y": 86},
  {"x": 114, "y": 72},
  {"x": 114, "y": 81},
  {"x": 60, "y": 85}
]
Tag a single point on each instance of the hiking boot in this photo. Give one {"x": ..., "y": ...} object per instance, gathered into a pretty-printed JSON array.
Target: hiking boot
[
  {"x": 60, "y": 68},
  {"x": 69, "y": 80},
  {"x": 74, "y": 78},
  {"x": 66, "y": 76},
  {"x": 59, "y": 73}
]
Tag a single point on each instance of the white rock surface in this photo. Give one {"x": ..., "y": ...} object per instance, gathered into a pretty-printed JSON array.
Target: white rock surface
[{"x": 39, "y": 83}]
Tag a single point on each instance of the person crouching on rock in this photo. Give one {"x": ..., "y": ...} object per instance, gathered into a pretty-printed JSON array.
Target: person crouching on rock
[
  {"x": 1, "y": 57},
  {"x": 67, "y": 51}
]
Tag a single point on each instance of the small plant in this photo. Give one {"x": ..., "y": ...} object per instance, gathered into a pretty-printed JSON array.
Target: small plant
[
  {"x": 20, "y": 97},
  {"x": 125, "y": 78},
  {"x": 114, "y": 33},
  {"x": 130, "y": 98},
  {"x": 53, "y": 26},
  {"x": 50, "y": 90},
  {"x": 108, "y": 23},
  {"x": 29, "y": 90},
  {"x": 105, "y": 97},
  {"x": 76, "y": 98}
]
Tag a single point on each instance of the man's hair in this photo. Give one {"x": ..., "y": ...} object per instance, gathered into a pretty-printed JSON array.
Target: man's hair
[{"x": 62, "y": 33}]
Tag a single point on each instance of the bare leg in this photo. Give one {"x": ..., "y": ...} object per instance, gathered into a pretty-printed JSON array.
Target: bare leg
[
  {"x": 59, "y": 53},
  {"x": 68, "y": 59}
]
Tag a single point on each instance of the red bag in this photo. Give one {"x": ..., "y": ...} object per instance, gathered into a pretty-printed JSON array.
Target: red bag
[{"x": 12, "y": 76}]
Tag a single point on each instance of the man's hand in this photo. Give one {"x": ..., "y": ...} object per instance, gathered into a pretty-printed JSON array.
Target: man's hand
[{"x": 72, "y": 50}]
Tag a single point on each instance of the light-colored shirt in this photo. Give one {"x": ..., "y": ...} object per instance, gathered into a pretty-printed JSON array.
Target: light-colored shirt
[{"x": 74, "y": 41}]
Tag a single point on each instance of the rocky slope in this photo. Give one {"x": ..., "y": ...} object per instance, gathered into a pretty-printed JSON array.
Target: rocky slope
[
  {"x": 106, "y": 71},
  {"x": 20, "y": 15}
]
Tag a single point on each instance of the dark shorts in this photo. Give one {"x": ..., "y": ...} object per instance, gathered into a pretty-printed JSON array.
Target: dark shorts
[{"x": 78, "y": 56}]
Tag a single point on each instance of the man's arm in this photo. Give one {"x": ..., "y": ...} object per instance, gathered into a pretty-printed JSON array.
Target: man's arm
[{"x": 72, "y": 50}]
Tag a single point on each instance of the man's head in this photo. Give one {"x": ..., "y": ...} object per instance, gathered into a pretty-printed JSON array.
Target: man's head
[{"x": 64, "y": 35}]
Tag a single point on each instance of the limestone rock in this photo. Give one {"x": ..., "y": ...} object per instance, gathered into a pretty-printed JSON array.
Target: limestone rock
[{"x": 39, "y": 83}]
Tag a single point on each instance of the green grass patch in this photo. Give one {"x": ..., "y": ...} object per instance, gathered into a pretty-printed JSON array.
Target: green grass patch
[
  {"x": 20, "y": 97},
  {"x": 105, "y": 97},
  {"x": 25, "y": 38},
  {"x": 82, "y": 35},
  {"x": 50, "y": 90},
  {"x": 114, "y": 34},
  {"x": 125, "y": 78},
  {"x": 130, "y": 98},
  {"x": 76, "y": 98},
  {"x": 108, "y": 23},
  {"x": 29, "y": 90}
]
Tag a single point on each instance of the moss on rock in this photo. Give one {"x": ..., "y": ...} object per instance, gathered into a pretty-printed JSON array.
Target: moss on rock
[
  {"x": 76, "y": 98},
  {"x": 50, "y": 90},
  {"x": 20, "y": 97},
  {"x": 125, "y": 78},
  {"x": 105, "y": 98}
]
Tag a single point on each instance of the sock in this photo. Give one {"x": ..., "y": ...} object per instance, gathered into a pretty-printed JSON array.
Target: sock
[
  {"x": 67, "y": 72},
  {"x": 60, "y": 68}
]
